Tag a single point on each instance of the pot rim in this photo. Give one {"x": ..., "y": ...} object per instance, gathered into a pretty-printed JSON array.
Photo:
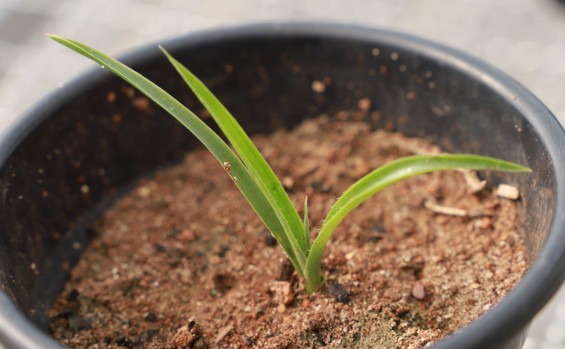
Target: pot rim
[{"x": 509, "y": 316}]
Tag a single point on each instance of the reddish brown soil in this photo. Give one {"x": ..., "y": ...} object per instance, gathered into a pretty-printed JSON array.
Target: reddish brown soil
[{"x": 184, "y": 262}]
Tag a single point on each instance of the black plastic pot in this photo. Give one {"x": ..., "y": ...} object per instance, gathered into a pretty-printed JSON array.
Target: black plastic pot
[{"x": 63, "y": 161}]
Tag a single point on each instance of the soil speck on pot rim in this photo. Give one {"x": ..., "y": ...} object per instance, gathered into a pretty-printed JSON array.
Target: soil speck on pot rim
[{"x": 407, "y": 276}]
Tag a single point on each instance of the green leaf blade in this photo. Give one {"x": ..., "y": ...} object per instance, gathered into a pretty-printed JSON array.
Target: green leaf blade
[
  {"x": 245, "y": 181},
  {"x": 385, "y": 176},
  {"x": 252, "y": 158}
]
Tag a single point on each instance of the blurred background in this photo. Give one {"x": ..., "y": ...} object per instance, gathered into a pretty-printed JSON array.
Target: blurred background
[{"x": 524, "y": 38}]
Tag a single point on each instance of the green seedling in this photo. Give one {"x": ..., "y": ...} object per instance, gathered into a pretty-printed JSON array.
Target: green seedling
[{"x": 257, "y": 181}]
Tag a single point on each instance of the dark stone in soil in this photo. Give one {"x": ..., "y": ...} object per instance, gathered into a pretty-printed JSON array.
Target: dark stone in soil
[
  {"x": 338, "y": 290},
  {"x": 124, "y": 341},
  {"x": 270, "y": 240},
  {"x": 378, "y": 231},
  {"x": 151, "y": 317},
  {"x": 223, "y": 251},
  {"x": 73, "y": 296}
]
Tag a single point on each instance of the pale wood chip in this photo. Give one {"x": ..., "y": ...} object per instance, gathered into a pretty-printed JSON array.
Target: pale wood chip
[
  {"x": 474, "y": 183},
  {"x": 454, "y": 211},
  {"x": 450, "y": 211},
  {"x": 508, "y": 192}
]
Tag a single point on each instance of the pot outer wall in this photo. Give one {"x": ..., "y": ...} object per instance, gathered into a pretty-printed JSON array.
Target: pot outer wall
[{"x": 82, "y": 147}]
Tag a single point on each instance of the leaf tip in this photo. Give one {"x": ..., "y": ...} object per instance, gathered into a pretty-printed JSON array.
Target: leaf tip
[{"x": 165, "y": 52}]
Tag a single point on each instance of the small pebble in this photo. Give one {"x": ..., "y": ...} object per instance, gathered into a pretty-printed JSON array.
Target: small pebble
[
  {"x": 187, "y": 336},
  {"x": 287, "y": 182},
  {"x": 364, "y": 104},
  {"x": 282, "y": 292},
  {"x": 281, "y": 308},
  {"x": 318, "y": 86},
  {"x": 418, "y": 291},
  {"x": 187, "y": 235}
]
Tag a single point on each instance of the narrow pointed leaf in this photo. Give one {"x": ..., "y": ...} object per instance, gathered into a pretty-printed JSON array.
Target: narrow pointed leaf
[
  {"x": 383, "y": 177},
  {"x": 245, "y": 181},
  {"x": 252, "y": 158}
]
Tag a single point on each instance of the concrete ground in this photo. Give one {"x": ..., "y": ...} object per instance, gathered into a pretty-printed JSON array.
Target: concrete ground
[{"x": 524, "y": 38}]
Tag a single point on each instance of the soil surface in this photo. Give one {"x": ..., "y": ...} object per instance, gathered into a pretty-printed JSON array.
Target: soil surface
[{"x": 184, "y": 262}]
